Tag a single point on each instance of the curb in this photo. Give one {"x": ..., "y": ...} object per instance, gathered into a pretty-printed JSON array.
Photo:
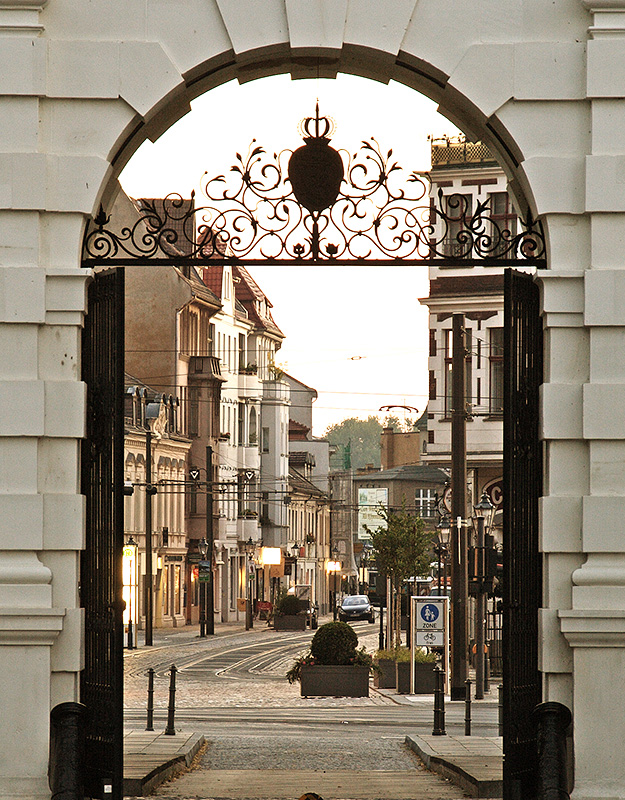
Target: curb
[
  {"x": 458, "y": 769},
  {"x": 144, "y": 772}
]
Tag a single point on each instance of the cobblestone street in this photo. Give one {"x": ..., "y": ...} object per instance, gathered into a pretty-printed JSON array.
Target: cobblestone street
[{"x": 252, "y": 755}]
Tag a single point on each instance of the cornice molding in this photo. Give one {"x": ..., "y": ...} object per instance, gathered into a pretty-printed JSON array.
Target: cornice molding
[
  {"x": 593, "y": 628},
  {"x": 30, "y": 626}
]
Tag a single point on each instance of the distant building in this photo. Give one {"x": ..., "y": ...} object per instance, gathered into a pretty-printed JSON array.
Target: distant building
[
  {"x": 145, "y": 409},
  {"x": 404, "y": 447}
]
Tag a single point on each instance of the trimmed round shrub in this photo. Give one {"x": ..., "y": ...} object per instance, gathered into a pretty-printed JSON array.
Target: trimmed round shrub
[
  {"x": 288, "y": 605},
  {"x": 334, "y": 643}
]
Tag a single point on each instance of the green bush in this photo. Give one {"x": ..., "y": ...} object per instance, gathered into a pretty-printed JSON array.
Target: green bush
[
  {"x": 334, "y": 643},
  {"x": 288, "y": 605},
  {"x": 403, "y": 654}
]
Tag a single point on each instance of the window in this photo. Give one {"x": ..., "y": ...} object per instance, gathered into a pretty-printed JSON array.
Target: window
[
  {"x": 458, "y": 208},
  {"x": 448, "y": 371},
  {"x": 241, "y": 424},
  {"x": 242, "y": 352},
  {"x": 252, "y": 436},
  {"x": 194, "y": 412},
  {"x": 265, "y": 440},
  {"x": 496, "y": 371},
  {"x": 425, "y": 503},
  {"x": 211, "y": 339},
  {"x": 503, "y": 218}
]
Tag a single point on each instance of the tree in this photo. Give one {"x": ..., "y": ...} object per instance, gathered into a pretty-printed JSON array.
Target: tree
[
  {"x": 358, "y": 440},
  {"x": 402, "y": 548}
]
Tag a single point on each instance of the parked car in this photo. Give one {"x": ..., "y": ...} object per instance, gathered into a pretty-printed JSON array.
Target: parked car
[
  {"x": 303, "y": 592},
  {"x": 356, "y": 606}
]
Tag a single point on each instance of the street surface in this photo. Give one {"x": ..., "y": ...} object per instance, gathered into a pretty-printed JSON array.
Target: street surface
[{"x": 264, "y": 740}]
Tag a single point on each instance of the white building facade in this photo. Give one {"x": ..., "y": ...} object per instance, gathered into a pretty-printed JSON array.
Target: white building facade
[
  {"x": 83, "y": 84},
  {"x": 466, "y": 173}
]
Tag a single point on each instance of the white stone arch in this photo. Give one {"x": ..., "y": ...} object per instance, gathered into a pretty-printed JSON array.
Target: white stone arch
[{"x": 82, "y": 84}]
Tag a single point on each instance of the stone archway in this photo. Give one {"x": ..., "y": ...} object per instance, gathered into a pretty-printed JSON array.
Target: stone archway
[{"x": 83, "y": 84}]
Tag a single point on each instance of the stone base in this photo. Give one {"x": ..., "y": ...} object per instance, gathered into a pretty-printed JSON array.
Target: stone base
[
  {"x": 319, "y": 680},
  {"x": 289, "y": 622}
]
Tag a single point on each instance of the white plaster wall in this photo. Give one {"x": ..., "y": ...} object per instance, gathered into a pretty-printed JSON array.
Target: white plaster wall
[{"x": 82, "y": 83}]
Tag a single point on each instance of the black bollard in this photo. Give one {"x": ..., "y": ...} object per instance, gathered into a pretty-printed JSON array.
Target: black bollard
[
  {"x": 500, "y": 710},
  {"x": 170, "y": 730},
  {"x": 467, "y": 707},
  {"x": 149, "y": 725},
  {"x": 66, "y": 757},
  {"x": 552, "y": 720},
  {"x": 439, "y": 703}
]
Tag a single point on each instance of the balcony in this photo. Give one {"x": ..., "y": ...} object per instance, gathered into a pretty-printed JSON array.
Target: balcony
[
  {"x": 456, "y": 152},
  {"x": 203, "y": 367}
]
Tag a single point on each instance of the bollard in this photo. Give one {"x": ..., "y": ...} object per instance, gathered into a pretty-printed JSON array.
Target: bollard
[
  {"x": 552, "y": 720},
  {"x": 66, "y": 757},
  {"x": 487, "y": 672},
  {"x": 439, "y": 703},
  {"x": 467, "y": 707},
  {"x": 500, "y": 711},
  {"x": 149, "y": 726},
  {"x": 171, "y": 709}
]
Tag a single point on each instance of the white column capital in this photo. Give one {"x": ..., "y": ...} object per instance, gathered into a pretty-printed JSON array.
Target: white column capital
[
  {"x": 21, "y": 16},
  {"x": 608, "y": 18}
]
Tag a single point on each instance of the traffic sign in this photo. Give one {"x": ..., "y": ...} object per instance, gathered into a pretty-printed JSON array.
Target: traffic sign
[{"x": 430, "y": 616}]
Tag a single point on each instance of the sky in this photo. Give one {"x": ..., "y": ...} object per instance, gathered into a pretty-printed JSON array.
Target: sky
[{"x": 357, "y": 335}]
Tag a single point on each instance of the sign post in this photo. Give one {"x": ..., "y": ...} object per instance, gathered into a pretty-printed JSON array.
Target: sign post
[{"x": 429, "y": 621}]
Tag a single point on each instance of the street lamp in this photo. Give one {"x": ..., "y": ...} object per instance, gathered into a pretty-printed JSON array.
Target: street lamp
[
  {"x": 333, "y": 567},
  {"x": 250, "y": 547},
  {"x": 443, "y": 534},
  {"x": 295, "y": 549},
  {"x": 482, "y": 521},
  {"x": 203, "y": 570},
  {"x": 130, "y": 587}
]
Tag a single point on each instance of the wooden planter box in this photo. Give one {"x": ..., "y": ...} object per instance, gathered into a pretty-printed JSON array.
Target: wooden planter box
[
  {"x": 388, "y": 678},
  {"x": 289, "y": 622},
  {"x": 319, "y": 680},
  {"x": 424, "y": 678}
]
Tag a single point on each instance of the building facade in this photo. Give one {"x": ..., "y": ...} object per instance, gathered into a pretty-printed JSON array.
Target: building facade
[
  {"x": 467, "y": 175},
  {"x": 169, "y": 451}
]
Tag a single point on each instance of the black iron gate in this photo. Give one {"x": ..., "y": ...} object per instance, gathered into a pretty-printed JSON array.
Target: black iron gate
[
  {"x": 101, "y": 563},
  {"x": 522, "y": 593}
]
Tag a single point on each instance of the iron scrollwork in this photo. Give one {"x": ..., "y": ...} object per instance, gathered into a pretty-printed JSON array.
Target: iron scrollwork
[{"x": 260, "y": 215}]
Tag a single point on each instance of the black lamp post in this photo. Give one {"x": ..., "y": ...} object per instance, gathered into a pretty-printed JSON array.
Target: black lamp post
[
  {"x": 295, "y": 549},
  {"x": 482, "y": 521},
  {"x": 250, "y": 546},
  {"x": 202, "y": 547},
  {"x": 443, "y": 533}
]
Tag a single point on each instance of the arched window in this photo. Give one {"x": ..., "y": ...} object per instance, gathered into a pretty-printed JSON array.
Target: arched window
[{"x": 253, "y": 434}]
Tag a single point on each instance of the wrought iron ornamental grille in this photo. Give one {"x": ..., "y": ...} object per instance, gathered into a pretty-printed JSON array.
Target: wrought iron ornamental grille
[{"x": 315, "y": 205}]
